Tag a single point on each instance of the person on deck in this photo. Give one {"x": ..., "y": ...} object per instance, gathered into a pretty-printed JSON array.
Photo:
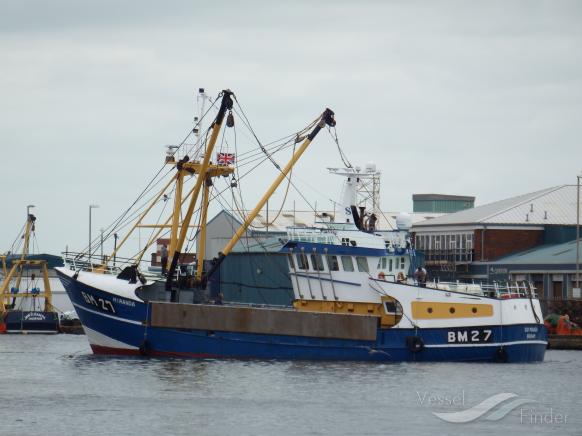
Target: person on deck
[
  {"x": 420, "y": 276},
  {"x": 164, "y": 253}
]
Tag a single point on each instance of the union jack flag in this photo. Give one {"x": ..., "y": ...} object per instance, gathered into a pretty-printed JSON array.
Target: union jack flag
[{"x": 225, "y": 158}]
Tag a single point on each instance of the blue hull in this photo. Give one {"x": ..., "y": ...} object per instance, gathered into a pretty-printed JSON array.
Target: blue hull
[{"x": 128, "y": 331}]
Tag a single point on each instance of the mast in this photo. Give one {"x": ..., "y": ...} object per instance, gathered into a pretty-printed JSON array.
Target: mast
[
  {"x": 327, "y": 118},
  {"x": 205, "y": 171},
  {"x": 30, "y": 219},
  {"x": 29, "y": 227}
]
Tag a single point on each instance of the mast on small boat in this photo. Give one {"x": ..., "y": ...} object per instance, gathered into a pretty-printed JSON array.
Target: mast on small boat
[{"x": 16, "y": 272}]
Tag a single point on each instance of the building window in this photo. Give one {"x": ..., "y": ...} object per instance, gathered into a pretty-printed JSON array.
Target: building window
[
  {"x": 362, "y": 264},
  {"x": 317, "y": 262},
  {"x": 332, "y": 263},
  {"x": 347, "y": 263}
]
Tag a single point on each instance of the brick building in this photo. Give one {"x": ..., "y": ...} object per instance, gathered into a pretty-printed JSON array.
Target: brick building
[{"x": 461, "y": 245}]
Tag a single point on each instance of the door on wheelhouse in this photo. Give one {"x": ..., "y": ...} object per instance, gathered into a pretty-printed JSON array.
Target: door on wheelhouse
[{"x": 556, "y": 290}]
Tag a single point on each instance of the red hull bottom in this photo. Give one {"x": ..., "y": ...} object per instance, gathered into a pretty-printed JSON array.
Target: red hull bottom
[{"x": 111, "y": 351}]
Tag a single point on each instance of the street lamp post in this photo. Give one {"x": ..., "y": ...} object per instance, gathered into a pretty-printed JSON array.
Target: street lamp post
[
  {"x": 114, "y": 247},
  {"x": 102, "y": 245},
  {"x": 91, "y": 207},
  {"x": 576, "y": 290}
]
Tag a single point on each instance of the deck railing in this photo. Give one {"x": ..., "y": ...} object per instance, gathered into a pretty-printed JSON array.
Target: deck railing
[
  {"x": 82, "y": 262},
  {"x": 502, "y": 290}
]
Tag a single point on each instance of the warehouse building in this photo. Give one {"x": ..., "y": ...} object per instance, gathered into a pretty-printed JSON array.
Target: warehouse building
[
  {"x": 271, "y": 225},
  {"x": 551, "y": 267},
  {"x": 468, "y": 245}
]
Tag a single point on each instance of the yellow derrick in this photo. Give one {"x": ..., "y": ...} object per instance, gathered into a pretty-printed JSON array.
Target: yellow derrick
[{"x": 16, "y": 272}]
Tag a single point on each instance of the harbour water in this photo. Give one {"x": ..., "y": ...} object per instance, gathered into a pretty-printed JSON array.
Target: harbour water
[{"x": 53, "y": 385}]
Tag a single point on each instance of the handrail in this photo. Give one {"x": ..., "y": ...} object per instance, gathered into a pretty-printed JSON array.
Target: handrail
[{"x": 82, "y": 262}]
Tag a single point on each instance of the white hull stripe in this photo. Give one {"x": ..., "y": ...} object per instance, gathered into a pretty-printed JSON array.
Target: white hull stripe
[
  {"x": 99, "y": 339},
  {"x": 496, "y": 344},
  {"x": 117, "y": 318}
]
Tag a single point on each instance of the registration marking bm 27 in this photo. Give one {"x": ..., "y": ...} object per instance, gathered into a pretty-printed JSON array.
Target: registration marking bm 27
[
  {"x": 100, "y": 303},
  {"x": 474, "y": 336}
]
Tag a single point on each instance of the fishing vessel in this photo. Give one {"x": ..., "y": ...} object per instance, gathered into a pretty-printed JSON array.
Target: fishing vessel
[
  {"x": 25, "y": 291},
  {"x": 349, "y": 303}
]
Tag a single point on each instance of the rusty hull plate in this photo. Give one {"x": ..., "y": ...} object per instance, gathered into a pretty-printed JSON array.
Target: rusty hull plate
[{"x": 264, "y": 321}]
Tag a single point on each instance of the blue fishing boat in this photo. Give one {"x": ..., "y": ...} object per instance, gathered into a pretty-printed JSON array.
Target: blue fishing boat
[{"x": 350, "y": 303}]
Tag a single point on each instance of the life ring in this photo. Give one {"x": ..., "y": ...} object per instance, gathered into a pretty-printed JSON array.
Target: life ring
[
  {"x": 414, "y": 343},
  {"x": 381, "y": 275}
]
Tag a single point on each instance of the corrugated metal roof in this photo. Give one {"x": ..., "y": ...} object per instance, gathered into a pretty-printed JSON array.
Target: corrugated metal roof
[
  {"x": 556, "y": 205},
  {"x": 290, "y": 218},
  {"x": 546, "y": 254}
]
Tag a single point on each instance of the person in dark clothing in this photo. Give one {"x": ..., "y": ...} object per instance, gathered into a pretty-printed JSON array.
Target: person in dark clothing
[
  {"x": 372, "y": 223},
  {"x": 164, "y": 253},
  {"x": 420, "y": 276}
]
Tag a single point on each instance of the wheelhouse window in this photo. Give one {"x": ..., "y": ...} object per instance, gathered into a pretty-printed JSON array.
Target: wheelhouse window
[
  {"x": 382, "y": 263},
  {"x": 347, "y": 263},
  {"x": 362, "y": 263},
  {"x": 393, "y": 308},
  {"x": 402, "y": 263},
  {"x": 302, "y": 261},
  {"x": 332, "y": 263},
  {"x": 317, "y": 262},
  {"x": 390, "y": 265},
  {"x": 291, "y": 263}
]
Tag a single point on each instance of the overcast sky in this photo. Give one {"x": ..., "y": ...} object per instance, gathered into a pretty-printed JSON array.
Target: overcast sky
[{"x": 454, "y": 97}]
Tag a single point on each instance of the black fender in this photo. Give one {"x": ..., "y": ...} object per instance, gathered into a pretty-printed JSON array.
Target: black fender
[{"x": 414, "y": 343}]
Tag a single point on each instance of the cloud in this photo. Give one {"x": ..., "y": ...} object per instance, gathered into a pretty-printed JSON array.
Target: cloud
[{"x": 462, "y": 98}]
